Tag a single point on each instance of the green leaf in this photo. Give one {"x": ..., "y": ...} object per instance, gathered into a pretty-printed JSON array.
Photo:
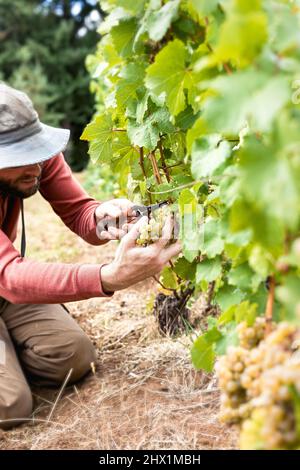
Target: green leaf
[
  {"x": 113, "y": 19},
  {"x": 185, "y": 269},
  {"x": 289, "y": 296},
  {"x": 132, "y": 6},
  {"x": 203, "y": 355},
  {"x": 186, "y": 119},
  {"x": 202, "y": 351},
  {"x": 246, "y": 312},
  {"x": 131, "y": 79},
  {"x": 243, "y": 34},
  {"x": 267, "y": 230},
  {"x": 257, "y": 98},
  {"x": 211, "y": 238},
  {"x": 260, "y": 262},
  {"x": 106, "y": 144},
  {"x": 283, "y": 27},
  {"x": 296, "y": 405},
  {"x": 204, "y": 7},
  {"x": 213, "y": 334},
  {"x": 208, "y": 154},
  {"x": 168, "y": 77},
  {"x": 190, "y": 213},
  {"x": 228, "y": 296},
  {"x": 241, "y": 276},
  {"x": 267, "y": 175},
  {"x": 122, "y": 148},
  {"x": 156, "y": 22},
  {"x": 147, "y": 133},
  {"x": 198, "y": 130},
  {"x": 100, "y": 134},
  {"x": 123, "y": 37},
  {"x": 168, "y": 278},
  {"x": 229, "y": 338},
  {"x": 209, "y": 270},
  {"x": 142, "y": 107}
]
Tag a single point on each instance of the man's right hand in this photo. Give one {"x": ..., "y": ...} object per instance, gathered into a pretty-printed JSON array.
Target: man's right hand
[{"x": 133, "y": 263}]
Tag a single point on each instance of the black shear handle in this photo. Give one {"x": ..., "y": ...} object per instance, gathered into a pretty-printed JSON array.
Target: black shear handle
[
  {"x": 146, "y": 210},
  {"x": 141, "y": 210}
]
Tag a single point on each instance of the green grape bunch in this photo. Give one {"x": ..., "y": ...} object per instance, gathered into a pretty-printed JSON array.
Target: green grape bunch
[
  {"x": 153, "y": 231},
  {"x": 251, "y": 336},
  {"x": 242, "y": 369},
  {"x": 229, "y": 369},
  {"x": 273, "y": 421}
]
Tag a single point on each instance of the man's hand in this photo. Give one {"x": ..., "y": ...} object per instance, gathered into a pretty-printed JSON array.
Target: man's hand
[
  {"x": 133, "y": 263},
  {"x": 113, "y": 219}
]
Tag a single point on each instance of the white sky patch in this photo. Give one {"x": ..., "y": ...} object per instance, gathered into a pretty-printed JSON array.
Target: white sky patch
[
  {"x": 92, "y": 21},
  {"x": 76, "y": 8}
]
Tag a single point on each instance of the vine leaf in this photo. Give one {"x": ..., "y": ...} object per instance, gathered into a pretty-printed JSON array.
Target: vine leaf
[
  {"x": 208, "y": 154},
  {"x": 243, "y": 33},
  {"x": 131, "y": 80},
  {"x": 252, "y": 93},
  {"x": 203, "y": 7},
  {"x": 99, "y": 133},
  {"x": 202, "y": 351},
  {"x": 107, "y": 144},
  {"x": 123, "y": 37},
  {"x": 157, "y": 21},
  {"x": 146, "y": 134},
  {"x": 209, "y": 270},
  {"x": 211, "y": 238},
  {"x": 168, "y": 77}
]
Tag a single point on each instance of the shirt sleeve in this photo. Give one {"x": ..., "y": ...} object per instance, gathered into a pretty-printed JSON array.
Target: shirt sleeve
[
  {"x": 69, "y": 200},
  {"x": 26, "y": 281}
]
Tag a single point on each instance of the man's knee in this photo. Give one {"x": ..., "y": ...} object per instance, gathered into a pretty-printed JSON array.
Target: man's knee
[
  {"x": 78, "y": 356},
  {"x": 69, "y": 350},
  {"x": 15, "y": 405}
]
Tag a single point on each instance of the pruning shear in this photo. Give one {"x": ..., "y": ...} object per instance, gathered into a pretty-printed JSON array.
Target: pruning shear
[
  {"x": 146, "y": 210},
  {"x": 139, "y": 210}
]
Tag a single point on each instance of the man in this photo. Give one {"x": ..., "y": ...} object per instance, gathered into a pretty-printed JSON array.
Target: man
[{"x": 38, "y": 338}]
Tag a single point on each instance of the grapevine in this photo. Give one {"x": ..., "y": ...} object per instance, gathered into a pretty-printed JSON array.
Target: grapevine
[{"x": 197, "y": 102}]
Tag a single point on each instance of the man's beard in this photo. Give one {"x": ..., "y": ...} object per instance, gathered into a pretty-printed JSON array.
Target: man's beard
[{"x": 11, "y": 190}]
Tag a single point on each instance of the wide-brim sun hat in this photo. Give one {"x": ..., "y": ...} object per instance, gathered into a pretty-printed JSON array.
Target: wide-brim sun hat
[{"x": 24, "y": 140}]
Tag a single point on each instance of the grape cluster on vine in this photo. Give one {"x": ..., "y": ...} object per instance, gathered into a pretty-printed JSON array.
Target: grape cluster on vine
[
  {"x": 151, "y": 232},
  {"x": 257, "y": 380}
]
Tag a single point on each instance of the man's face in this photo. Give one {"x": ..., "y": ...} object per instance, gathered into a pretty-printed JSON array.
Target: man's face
[{"x": 23, "y": 181}]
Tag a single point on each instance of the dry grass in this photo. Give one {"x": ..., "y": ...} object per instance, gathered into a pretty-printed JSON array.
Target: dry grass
[{"x": 144, "y": 393}]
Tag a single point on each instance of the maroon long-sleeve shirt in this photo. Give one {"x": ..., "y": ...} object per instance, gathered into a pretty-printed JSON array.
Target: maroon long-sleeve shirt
[{"x": 26, "y": 281}]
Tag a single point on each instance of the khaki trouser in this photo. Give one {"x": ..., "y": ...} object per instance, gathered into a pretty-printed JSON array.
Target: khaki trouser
[{"x": 38, "y": 344}]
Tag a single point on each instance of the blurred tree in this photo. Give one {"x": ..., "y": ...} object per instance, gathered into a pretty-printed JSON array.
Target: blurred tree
[{"x": 43, "y": 46}]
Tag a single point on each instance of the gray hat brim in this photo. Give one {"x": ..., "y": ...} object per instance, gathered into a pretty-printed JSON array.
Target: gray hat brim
[{"x": 42, "y": 146}]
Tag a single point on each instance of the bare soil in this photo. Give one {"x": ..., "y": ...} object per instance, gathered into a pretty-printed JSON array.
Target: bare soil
[{"x": 144, "y": 392}]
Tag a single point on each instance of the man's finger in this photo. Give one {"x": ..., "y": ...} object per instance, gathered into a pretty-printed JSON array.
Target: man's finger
[
  {"x": 125, "y": 205},
  {"x": 167, "y": 232},
  {"x": 109, "y": 210},
  {"x": 131, "y": 237},
  {"x": 104, "y": 235},
  {"x": 127, "y": 227},
  {"x": 107, "y": 222},
  {"x": 116, "y": 233},
  {"x": 172, "y": 250}
]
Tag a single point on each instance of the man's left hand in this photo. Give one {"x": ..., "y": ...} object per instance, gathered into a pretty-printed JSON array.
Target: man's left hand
[{"x": 114, "y": 219}]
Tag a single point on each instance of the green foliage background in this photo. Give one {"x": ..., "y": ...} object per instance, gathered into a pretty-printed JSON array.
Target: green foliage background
[
  {"x": 43, "y": 53},
  {"x": 198, "y": 102}
]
